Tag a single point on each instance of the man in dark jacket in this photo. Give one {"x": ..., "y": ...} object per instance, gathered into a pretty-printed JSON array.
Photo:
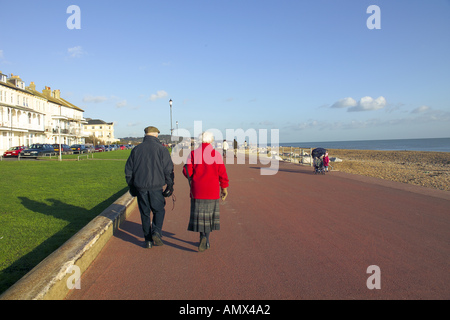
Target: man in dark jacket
[{"x": 148, "y": 168}]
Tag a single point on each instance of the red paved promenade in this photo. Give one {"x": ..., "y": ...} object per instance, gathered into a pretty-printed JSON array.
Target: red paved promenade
[{"x": 293, "y": 235}]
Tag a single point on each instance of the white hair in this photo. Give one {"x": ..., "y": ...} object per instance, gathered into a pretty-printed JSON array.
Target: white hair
[{"x": 206, "y": 137}]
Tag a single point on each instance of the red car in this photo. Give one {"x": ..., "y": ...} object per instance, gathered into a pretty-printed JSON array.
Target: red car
[
  {"x": 13, "y": 152},
  {"x": 100, "y": 148}
]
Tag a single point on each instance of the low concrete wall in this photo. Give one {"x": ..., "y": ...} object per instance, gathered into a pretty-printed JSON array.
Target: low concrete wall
[{"x": 48, "y": 280}]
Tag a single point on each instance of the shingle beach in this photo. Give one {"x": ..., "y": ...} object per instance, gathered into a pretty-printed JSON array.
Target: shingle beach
[{"x": 428, "y": 169}]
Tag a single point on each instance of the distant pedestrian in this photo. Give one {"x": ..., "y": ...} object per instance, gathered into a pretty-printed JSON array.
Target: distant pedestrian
[
  {"x": 235, "y": 146},
  {"x": 148, "y": 168},
  {"x": 225, "y": 147},
  {"x": 326, "y": 161},
  {"x": 208, "y": 181}
]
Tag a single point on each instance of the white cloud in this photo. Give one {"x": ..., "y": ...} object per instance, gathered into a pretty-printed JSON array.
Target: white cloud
[
  {"x": 94, "y": 99},
  {"x": 134, "y": 124},
  {"x": 76, "y": 52},
  {"x": 368, "y": 104},
  {"x": 159, "y": 95},
  {"x": 421, "y": 109},
  {"x": 121, "y": 104},
  {"x": 365, "y": 104},
  {"x": 345, "y": 103},
  {"x": 2, "y": 58}
]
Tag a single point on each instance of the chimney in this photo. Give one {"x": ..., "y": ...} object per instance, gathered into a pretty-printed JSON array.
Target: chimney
[
  {"x": 57, "y": 94},
  {"x": 32, "y": 86},
  {"x": 47, "y": 92}
]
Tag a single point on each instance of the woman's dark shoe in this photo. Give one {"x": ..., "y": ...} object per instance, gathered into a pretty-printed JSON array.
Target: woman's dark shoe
[{"x": 203, "y": 244}]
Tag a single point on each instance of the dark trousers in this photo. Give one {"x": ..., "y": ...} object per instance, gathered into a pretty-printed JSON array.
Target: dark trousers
[{"x": 151, "y": 201}]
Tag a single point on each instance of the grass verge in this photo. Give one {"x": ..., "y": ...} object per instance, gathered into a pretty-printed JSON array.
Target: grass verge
[{"x": 44, "y": 203}]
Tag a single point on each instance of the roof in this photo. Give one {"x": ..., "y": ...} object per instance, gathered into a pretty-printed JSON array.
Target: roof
[
  {"x": 31, "y": 91},
  {"x": 98, "y": 121},
  {"x": 8, "y": 84},
  {"x": 59, "y": 101}
]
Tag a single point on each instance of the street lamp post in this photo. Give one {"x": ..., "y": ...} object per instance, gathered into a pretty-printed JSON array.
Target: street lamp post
[{"x": 171, "y": 129}]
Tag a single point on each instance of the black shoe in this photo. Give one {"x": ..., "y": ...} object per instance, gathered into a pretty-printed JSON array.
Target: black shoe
[
  {"x": 157, "y": 240},
  {"x": 148, "y": 245},
  {"x": 203, "y": 244}
]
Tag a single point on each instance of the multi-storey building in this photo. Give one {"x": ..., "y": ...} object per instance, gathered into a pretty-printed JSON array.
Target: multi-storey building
[
  {"x": 28, "y": 116},
  {"x": 102, "y": 132}
]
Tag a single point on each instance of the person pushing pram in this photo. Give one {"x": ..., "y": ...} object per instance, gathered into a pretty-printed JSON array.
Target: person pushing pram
[{"x": 320, "y": 160}]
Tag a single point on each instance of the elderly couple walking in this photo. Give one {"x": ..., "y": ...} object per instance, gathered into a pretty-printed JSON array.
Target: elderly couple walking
[{"x": 149, "y": 167}]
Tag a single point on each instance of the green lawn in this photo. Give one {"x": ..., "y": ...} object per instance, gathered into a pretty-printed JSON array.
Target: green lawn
[{"x": 43, "y": 203}]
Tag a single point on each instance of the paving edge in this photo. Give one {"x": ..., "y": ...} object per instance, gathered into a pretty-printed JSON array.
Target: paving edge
[{"x": 49, "y": 279}]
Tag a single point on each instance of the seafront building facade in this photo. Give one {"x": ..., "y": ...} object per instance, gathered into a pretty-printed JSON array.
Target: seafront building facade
[
  {"x": 28, "y": 116},
  {"x": 100, "y": 131}
]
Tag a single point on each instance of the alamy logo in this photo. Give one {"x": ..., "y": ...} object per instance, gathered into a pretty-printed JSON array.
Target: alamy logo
[
  {"x": 74, "y": 281},
  {"x": 374, "y": 21},
  {"x": 74, "y": 21},
  {"x": 374, "y": 281},
  {"x": 254, "y": 137}
]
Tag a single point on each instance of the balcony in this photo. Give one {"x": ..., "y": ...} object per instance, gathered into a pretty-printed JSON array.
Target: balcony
[
  {"x": 63, "y": 131},
  {"x": 21, "y": 126}
]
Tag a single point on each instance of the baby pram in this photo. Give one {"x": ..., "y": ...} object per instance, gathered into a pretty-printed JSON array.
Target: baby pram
[{"x": 318, "y": 155}]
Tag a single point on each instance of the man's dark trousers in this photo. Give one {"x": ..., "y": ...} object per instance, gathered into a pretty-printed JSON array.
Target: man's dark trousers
[{"x": 151, "y": 201}]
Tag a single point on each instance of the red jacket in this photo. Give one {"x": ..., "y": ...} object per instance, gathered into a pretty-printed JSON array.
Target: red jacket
[
  {"x": 208, "y": 172},
  {"x": 326, "y": 160}
]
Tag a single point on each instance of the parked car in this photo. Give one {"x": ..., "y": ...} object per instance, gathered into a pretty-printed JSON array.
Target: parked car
[
  {"x": 78, "y": 148},
  {"x": 13, "y": 152},
  {"x": 100, "y": 148},
  {"x": 37, "y": 150},
  {"x": 90, "y": 148},
  {"x": 64, "y": 148}
]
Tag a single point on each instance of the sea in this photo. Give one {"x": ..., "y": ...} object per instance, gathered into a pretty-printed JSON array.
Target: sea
[{"x": 429, "y": 144}]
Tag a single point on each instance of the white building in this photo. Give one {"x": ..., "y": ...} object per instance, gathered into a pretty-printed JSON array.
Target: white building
[
  {"x": 102, "y": 132},
  {"x": 28, "y": 116}
]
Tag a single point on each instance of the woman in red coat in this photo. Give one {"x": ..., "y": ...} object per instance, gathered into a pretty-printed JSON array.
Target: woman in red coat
[{"x": 208, "y": 180}]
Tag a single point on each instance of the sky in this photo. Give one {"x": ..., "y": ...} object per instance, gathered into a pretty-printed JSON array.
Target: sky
[{"x": 316, "y": 70}]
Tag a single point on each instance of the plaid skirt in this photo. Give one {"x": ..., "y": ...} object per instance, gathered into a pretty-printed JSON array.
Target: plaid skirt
[{"x": 205, "y": 215}]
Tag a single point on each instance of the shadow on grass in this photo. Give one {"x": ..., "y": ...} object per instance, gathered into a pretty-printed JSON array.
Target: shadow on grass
[{"x": 76, "y": 217}]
